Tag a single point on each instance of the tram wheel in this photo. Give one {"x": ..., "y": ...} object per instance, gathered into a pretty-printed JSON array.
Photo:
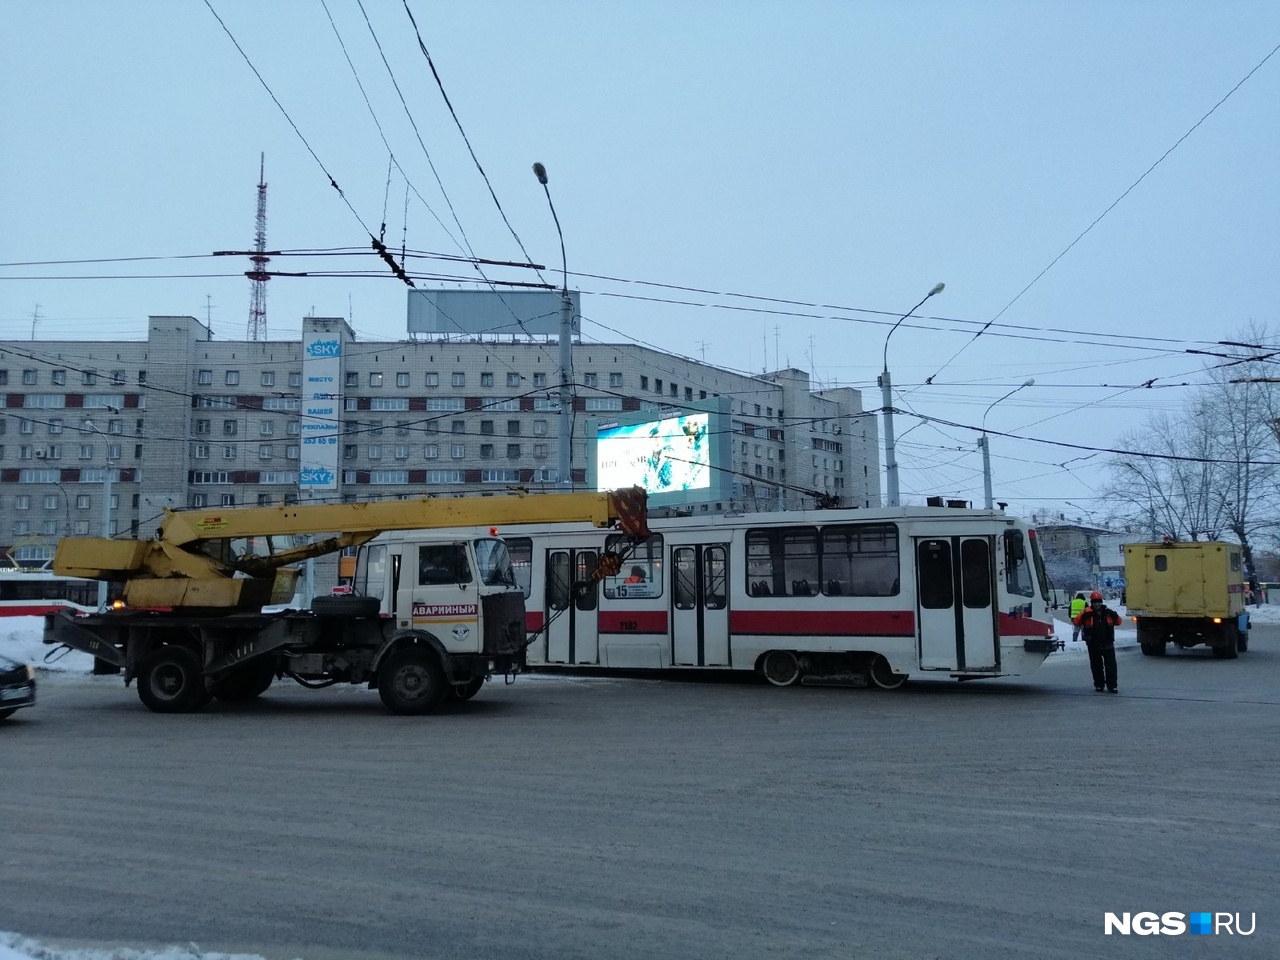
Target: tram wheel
[
  {"x": 882, "y": 674},
  {"x": 781, "y": 668}
]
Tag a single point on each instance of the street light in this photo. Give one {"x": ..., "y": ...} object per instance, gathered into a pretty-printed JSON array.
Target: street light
[
  {"x": 985, "y": 443},
  {"x": 886, "y": 398},
  {"x": 106, "y": 500},
  {"x": 565, "y": 357}
]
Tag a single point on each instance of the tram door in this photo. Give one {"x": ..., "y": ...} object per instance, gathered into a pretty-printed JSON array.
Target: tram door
[
  {"x": 572, "y": 598},
  {"x": 700, "y": 605},
  {"x": 955, "y": 603}
]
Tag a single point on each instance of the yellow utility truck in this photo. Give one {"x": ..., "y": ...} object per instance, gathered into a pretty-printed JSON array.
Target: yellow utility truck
[
  {"x": 431, "y": 614},
  {"x": 1186, "y": 593}
]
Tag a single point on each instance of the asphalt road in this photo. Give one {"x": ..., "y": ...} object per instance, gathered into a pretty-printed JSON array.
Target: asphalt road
[{"x": 562, "y": 818}]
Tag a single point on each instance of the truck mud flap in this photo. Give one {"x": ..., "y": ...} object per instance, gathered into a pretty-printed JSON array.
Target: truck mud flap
[
  {"x": 271, "y": 637},
  {"x": 62, "y": 628}
]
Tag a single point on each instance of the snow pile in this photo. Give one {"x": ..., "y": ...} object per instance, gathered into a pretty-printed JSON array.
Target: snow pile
[{"x": 16, "y": 947}]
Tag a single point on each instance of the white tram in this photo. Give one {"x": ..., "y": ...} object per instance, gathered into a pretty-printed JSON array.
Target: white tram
[{"x": 856, "y": 594}]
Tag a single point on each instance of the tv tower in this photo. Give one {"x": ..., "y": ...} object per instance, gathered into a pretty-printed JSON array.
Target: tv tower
[{"x": 258, "y": 276}]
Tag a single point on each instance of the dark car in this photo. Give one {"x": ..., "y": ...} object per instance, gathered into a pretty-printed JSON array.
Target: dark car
[{"x": 17, "y": 686}]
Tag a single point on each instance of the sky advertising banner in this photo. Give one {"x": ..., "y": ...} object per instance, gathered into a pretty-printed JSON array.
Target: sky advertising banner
[{"x": 321, "y": 411}]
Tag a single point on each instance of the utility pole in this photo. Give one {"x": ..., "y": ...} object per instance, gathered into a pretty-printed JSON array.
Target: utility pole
[
  {"x": 35, "y": 318},
  {"x": 565, "y": 357}
]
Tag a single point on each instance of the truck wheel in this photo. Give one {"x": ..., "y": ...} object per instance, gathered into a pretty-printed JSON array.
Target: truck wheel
[
  {"x": 882, "y": 674},
  {"x": 1242, "y": 642},
  {"x": 1153, "y": 649},
  {"x": 172, "y": 682},
  {"x": 346, "y": 607},
  {"x": 246, "y": 683},
  {"x": 465, "y": 691},
  {"x": 411, "y": 681},
  {"x": 781, "y": 668}
]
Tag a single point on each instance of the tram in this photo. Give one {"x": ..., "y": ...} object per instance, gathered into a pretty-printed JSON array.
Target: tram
[
  {"x": 33, "y": 593},
  {"x": 871, "y": 596}
]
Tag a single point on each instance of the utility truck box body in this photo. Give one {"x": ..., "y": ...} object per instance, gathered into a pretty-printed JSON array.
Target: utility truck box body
[{"x": 1186, "y": 593}]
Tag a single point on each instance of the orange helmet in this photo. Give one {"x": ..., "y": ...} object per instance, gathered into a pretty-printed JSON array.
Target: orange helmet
[{"x": 1095, "y": 595}]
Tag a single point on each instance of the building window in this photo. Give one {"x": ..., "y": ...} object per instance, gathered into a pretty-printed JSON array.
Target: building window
[
  {"x": 22, "y": 501},
  {"x": 513, "y": 451},
  {"x": 51, "y": 501},
  {"x": 350, "y": 451},
  {"x": 295, "y": 379},
  {"x": 486, "y": 451},
  {"x": 486, "y": 428},
  {"x": 116, "y": 427},
  {"x": 604, "y": 403},
  {"x": 389, "y": 476},
  {"x": 29, "y": 378},
  {"x": 86, "y": 451},
  {"x": 458, "y": 451},
  {"x": 232, "y": 378},
  {"x": 268, "y": 378},
  {"x": 402, "y": 379},
  {"x": 352, "y": 379},
  {"x": 389, "y": 403},
  {"x": 675, "y": 392},
  {"x": 539, "y": 451},
  {"x": 200, "y": 451},
  {"x": 644, "y": 383},
  {"x": 26, "y": 427},
  {"x": 375, "y": 428},
  {"x": 513, "y": 428},
  {"x": 228, "y": 499},
  {"x": 293, "y": 428},
  {"x": 375, "y": 379},
  {"x": 402, "y": 428},
  {"x": 539, "y": 428},
  {"x": 486, "y": 379},
  {"x": 203, "y": 427},
  {"x": 431, "y": 451},
  {"x": 291, "y": 452},
  {"x": 265, "y": 452},
  {"x": 493, "y": 475},
  {"x": 459, "y": 379},
  {"x": 402, "y": 451},
  {"x": 444, "y": 476},
  {"x": 657, "y": 385},
  {"x": 432, "y": 380},
  {"x": 55, "y": 427},
  {"x": 589, "y": 380},
  {"x": 375, "y": 451},
  {"x": 459, "y": 426},
  {"x": 446, "y": 403},
  {"x": 229, "y": 428},
  {"x": 539, "y": 379},
  {"x": 513, "y": 379},
  {"x": 615, "y": 379},
  {"x": 58, "y": 378},
  {"x": 230, "y": 451},
  {"x": 266, "y": 428}
]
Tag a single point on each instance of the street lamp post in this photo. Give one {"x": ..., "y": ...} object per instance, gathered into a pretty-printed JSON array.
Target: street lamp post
[
  {"x": 985, "y": 443},
  {"x": 886, "y": 399},
  {"x": 565, "y": 353}
]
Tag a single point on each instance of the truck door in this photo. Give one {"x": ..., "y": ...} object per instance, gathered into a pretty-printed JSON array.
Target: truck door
[
  {"x": 572, "y": 598},
  {"x": 700, "y": 605},
  {"x": 955, "y": 604}
]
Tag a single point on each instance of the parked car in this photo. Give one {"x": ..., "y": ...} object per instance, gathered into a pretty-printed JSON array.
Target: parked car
[{"x": 17, "y": 686}]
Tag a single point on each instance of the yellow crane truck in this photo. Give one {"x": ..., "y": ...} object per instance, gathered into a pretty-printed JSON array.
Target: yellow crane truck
[
  {"x": 1187, "y": 594},
  {"x": 430, "y": 616}
]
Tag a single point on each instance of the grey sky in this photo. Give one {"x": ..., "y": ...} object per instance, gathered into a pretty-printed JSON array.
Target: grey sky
[{"x": 843, "y": 154}]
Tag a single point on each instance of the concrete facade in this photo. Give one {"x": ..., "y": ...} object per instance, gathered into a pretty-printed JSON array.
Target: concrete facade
[{"x": 186, "y": 421}]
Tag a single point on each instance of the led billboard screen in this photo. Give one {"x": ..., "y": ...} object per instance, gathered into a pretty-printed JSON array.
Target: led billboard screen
[{"x": 672, "y": 455}]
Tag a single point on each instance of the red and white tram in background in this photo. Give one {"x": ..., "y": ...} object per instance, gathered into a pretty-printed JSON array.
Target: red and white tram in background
[
  {"x": 854, "y": 594},
  {"x": 33, "y": 593}
]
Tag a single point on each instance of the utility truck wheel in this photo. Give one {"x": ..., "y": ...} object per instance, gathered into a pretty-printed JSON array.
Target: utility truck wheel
[
  {"x": 882, "y": 674},
  {"x": 346, "y": 607},
  {"x": 411, "y": 681},
  {"x": 1153, "y": 649},
  {"x": 1242, "y": 643},
  {"x": 465, "y": 691},
  {"x": 172, "y": 682},
  {"x": 246, "y": 683},
  {"x": 781, "y": 668}
]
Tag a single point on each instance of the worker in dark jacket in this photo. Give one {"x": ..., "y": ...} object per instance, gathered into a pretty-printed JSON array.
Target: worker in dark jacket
[{"x": 1098, "y": 622}]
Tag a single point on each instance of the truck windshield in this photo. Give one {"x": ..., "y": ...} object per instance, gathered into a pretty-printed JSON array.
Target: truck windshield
[{"x": 493, "y": 563}]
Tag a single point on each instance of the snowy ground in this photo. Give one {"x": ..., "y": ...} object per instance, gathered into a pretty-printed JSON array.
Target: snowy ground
[{"x": 20, "y": 639}]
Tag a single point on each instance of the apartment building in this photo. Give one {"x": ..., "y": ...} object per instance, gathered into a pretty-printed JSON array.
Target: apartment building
[{"x": 181, "y": 420}]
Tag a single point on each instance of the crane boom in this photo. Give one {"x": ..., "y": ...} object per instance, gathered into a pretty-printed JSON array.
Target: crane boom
[{"x": 213, "y": 559}]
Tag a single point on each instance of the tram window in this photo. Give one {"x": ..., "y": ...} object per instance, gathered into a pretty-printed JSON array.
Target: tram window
[
  {"x": 521, "y": 550},
  {"x": 647, "y": 556},
  {"x": 558, "y": 586},
  {"x": 935, "y": 574},
  {"x": 860, "y": 560},
  {"x": 975, "y": 569},
  {"x": 684, "y": 578},
  {"x": 783, "y": 562},
  {"x": 715, "y": 577},
  {"x": 1017, "y": 565},
  {"x": 586, "y": 592},
  {"x": 443, "y": 563}
]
